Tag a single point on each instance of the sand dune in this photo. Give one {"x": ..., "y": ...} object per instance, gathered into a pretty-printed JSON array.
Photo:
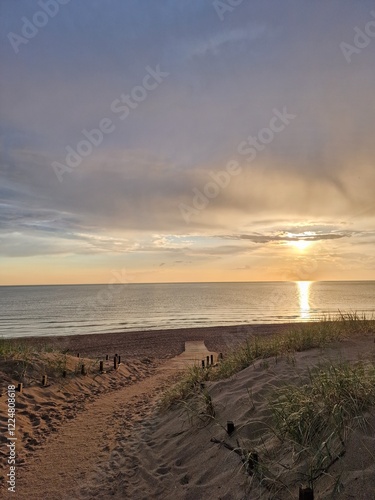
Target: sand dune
[
  {"x": 102, "y": 436},
  {"x": 171, "y": 457}
]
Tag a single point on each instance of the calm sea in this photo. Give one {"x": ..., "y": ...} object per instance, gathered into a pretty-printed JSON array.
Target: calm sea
[{"x": 82, "y": 309}]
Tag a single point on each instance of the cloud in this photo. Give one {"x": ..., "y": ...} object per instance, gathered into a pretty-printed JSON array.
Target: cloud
[
  {"x": 285, "y": 236},
  {"x": 314, "y": 181}
]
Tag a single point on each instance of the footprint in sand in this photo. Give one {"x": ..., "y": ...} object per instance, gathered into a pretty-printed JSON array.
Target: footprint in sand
[
  {"x": 30, "y": 443},
  {"x": 21, "y": 406},
  {"x": 163, "y": 470},
  {"x": 35, "y": 421},
  {"x": 185, "y": 479},
  {"x": 49, "y": 404}
]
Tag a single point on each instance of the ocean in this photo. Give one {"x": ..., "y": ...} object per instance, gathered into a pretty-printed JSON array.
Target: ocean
[{"x": 86, "y": 309}]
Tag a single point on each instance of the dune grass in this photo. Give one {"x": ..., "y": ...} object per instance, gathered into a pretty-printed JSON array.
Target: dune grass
[
  {"x": 189, "y": 384},
  {"x": 25, "y": 361},
  {"x": 335, "y": 395},
  {"x": 314, "y": 421},
  {"x": 15, "y": 348},
  {"x": 300, "y": 337},
  {"x": 311, "y": 421}
]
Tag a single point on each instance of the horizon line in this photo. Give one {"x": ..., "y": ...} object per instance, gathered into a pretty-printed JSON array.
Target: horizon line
[{"x": 184, "y": 282}]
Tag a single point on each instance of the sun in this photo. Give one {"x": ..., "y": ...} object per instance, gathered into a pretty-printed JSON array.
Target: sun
[
  {"x": 300, "y": 244},
  {"x": 300, "y": 241}
]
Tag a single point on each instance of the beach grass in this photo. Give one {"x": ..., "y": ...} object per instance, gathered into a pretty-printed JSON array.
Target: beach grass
[
  {"x": 314, "y": 421},
  {"x": 10, "y": 349},
  {"x": 15, "y": 348},
  {"x": 311, "y": 419},
  {"x": 26, "y": 361},
  {"x": 189, "y": 384},
  {"x": 299, "y": 337},
  {"x": 336, "y": 395}
]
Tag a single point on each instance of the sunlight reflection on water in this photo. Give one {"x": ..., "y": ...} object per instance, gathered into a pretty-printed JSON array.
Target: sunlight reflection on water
[{"x": 304, "y": 298}]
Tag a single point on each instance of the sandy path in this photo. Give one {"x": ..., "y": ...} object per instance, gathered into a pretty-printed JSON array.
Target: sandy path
[
  {"x": 71, "y": 463},
  {"x": 61, "y": 468}
]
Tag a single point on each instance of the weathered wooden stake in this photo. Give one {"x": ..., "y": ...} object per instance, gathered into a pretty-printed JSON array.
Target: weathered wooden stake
[
  {"x": 230, "y": 427},
  {"x": 64, "y": 374},
  {"x": 306, "y": 493},
  {"x": 78, "y": 355},
  {"x": 44, "y": 380},
  {"x": 115, "y": 362},
  {"x": 106, "y": 357},
  {"x": 202, "y": 363},
  {"x": 212, "y": 359},
  {"x": 20, "y": 387},
  {"x": 101, "y": 366},
  {"x": 208, "y": 360},
  {"x": 119, "y": 359},
  {"x": 83, "y": 370}
]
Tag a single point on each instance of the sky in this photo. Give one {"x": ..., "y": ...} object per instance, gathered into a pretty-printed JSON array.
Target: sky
[{"x": 186, "y": 140}]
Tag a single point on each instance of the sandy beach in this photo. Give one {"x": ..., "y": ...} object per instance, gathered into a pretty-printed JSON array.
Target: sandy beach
[
  {"x": 160, "y": 344},
  {"x": 102, "y": 435}
]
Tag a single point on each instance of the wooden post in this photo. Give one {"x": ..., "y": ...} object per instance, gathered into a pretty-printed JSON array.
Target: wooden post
[
  {"x": 78, "y": 355},
  {"x": 230, "y": 427},
  {"x": 212, "y": 359},
  {"x": 202, "y": 363},
  {"x": 101, "y": 366},
  {"x": 106, "y": 357},
  {"x": 208, "y": 360},
  {"x": 83, "y": 370},
  {"x": 64, "y": 374},
  {"x": 220, "y": 357},
  {"x": 115, "y": 362},
  {"x": 20, "y": 387},
  {"x": 44, "y": 380},
  {"x": 306, "y": 493},
  {"x": 119, "y": 359}
]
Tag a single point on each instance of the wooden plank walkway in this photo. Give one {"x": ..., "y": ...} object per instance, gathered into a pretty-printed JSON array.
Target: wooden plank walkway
[{"x": 193, "y": 354}]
